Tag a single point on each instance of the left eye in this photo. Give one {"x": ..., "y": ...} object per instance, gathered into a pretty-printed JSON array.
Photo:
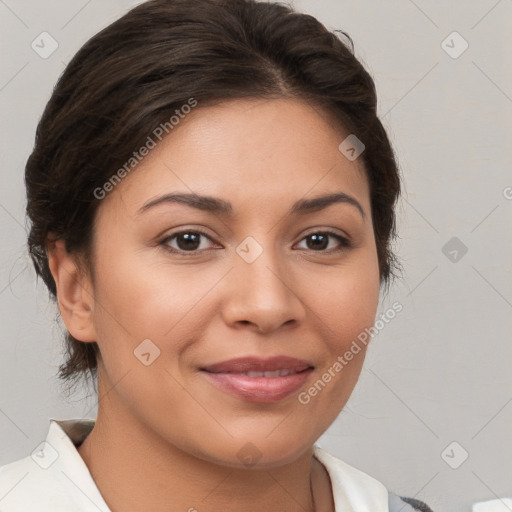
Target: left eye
[{"x": 319, "y": 241}]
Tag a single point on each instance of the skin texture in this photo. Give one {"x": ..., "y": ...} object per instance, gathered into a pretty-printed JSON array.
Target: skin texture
[{"x": 166, "y": 438}]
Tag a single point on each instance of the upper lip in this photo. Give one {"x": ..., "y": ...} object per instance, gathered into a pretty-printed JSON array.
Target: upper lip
[{"x": 258, "y": 364}]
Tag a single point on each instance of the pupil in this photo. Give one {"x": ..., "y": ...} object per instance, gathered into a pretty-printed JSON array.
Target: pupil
[
  {"x": 191, "y": 241},
  {"x": 321, "y": 238}
]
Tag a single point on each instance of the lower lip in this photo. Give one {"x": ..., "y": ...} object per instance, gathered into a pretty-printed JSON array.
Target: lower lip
[{"x": 259, "y": 389}]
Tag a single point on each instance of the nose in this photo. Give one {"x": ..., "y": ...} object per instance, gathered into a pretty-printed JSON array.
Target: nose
[{"x": 264, "y": 294}]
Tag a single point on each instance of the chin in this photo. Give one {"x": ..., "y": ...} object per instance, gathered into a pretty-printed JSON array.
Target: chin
[{"x": 257, "y": 453}]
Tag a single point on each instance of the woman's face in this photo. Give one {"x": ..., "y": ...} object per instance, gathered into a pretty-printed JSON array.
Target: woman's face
[{"x": 264, "y": 280}]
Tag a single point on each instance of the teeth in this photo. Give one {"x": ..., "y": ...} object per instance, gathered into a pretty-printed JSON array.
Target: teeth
[{"x": 276, "y": 373}]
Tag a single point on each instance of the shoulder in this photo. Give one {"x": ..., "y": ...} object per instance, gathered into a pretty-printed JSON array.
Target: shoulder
[
  {"x": 54, "y": 478},
  {"x": 352, "y": 486},
  {"x": 25, "y": 485}
]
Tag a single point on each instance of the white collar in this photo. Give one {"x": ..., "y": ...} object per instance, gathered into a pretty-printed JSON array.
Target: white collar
[
  {"x": 353, "y": 490},
  {"x": 70, "y": 468}
]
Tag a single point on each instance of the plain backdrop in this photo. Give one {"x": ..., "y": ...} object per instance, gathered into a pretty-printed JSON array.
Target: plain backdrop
[{"x": 431, "y": 415}]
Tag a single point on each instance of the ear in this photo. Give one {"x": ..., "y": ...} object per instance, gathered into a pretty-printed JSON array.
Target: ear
[{"x": 74, "y": 292}]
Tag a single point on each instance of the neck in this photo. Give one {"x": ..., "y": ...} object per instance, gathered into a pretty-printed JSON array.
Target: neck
[{"x": 137, "y": 470}]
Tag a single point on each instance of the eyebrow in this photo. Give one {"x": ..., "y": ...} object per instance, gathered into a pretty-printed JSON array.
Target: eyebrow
[{"x": 220, "y": 206}]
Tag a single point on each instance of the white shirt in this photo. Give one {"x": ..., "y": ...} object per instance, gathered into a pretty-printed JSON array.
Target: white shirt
[{"x": 55, "y": 478}]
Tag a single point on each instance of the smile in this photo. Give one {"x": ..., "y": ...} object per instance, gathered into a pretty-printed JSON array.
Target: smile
[{"x": 263, "y": 387}]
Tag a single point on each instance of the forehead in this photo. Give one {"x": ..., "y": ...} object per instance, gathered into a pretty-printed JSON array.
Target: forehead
[{"x": 251, "y": 151}]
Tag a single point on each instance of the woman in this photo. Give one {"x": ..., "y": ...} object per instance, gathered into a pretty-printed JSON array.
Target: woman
[{"x": 211, "y": 198}]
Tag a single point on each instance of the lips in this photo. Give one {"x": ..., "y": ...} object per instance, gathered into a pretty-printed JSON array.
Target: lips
[
  {"x": 259, "y": 367},
  {"x": 259, "y": 380}
]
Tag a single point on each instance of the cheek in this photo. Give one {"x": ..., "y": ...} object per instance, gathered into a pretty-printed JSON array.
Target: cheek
[
  {"x": 345, "y": 307},
  {"x": 137, "y": 299},
  {"x": 348, "y": 299}
]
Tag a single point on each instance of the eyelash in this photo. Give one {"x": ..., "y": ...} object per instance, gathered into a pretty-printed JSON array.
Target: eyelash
[{"x": 344, "y": 242}]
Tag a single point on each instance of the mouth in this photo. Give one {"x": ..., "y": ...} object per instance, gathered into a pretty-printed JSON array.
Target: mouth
[
  {"x": 259, "y": 380},
  {"x": 258, "y": 365},
  {"x": 268, "y": 374}
]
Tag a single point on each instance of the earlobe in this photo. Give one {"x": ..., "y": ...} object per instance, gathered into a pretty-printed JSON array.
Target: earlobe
[{"x": 74, "y": 292}]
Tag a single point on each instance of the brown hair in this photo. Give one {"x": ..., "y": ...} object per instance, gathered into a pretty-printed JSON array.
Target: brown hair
[{"x": 129, "y": 78}]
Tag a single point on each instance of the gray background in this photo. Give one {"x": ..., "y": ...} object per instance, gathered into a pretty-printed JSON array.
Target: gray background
[{"x": 437, "y": 373}]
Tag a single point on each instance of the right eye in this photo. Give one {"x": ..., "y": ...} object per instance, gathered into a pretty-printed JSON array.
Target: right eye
[{"x": 188, "y": 241}]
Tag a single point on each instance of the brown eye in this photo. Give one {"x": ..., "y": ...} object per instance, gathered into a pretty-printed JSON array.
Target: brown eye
[
  {"x": 319, "y": 241},
  {"x": 185, "y": 241}
]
